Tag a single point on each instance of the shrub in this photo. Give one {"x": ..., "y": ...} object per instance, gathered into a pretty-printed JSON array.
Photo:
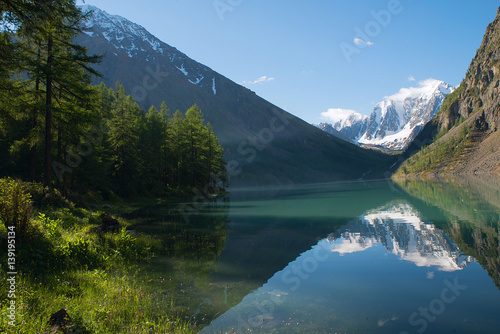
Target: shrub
[
  {"x": 15, "y": 205},
  {"x": 45, "y": 197}
]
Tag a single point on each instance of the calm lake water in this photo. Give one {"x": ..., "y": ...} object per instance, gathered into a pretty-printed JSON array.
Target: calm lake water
[{"x": 364, "y": 257}]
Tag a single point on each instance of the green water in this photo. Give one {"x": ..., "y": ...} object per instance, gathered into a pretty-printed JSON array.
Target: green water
[{"x": 374, "y": 257}]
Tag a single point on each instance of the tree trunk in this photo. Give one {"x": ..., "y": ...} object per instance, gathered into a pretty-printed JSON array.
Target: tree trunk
[
  {"x": 48, "y": 117},
  {"x": 35, "y": 123},
  {"x": 33, "y": 157},
  {"x": 59, "y": 157}
]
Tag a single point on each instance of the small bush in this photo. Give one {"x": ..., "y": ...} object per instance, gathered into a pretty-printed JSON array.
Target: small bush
[
  {"x": 45, "y": 197},
  {"x": 51, "y": 227},
  {"x": 16, "y": 206}
]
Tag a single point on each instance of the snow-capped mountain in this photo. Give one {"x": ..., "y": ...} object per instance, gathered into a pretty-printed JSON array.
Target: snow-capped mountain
[
  {"x": 396, "y": 121},
  {"x": 137, "y": 42},
  {"x": 351, "y": 126},
  {"x": 402, "y": 232}
]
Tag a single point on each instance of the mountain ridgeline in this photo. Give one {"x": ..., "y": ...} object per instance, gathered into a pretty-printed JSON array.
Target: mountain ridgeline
[
  {"x": 463, "y": 138},
  {"x": 263, "y": 144}
]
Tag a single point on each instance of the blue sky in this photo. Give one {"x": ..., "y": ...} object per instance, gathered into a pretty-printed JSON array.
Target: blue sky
[{"x": 308, "y": 57}]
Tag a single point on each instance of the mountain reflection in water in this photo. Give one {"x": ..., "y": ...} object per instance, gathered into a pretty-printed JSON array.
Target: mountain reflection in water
[
  {"x": 359, "y": 272},
  {"x": 346, "y": 257},
  {"x": 402, "y": 232}
]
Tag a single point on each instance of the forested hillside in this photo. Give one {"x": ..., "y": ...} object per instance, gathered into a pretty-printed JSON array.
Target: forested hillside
[{"x": 57, "y": 128}]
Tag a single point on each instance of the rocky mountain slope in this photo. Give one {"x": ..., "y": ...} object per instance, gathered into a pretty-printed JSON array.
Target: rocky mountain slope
[
  {"x": 463, "y": 138},
  {"x": 263, "y": 143},
  {"x": 395, "y": 122}
]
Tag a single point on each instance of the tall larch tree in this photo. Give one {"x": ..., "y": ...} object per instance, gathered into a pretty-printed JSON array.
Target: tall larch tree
[{"x": 59, "y": 67}]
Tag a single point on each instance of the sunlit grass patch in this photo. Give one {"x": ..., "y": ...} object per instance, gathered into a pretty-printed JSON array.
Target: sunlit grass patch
[{"x": 64, "y": 262}]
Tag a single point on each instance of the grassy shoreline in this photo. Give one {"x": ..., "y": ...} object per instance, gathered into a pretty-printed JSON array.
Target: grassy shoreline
[{"x": 63, "y": 263}]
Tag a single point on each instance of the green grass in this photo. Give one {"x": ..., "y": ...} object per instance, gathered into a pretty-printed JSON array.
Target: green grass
[
  {"x": 99, "y": 301},
  {"x": 63, "y": 263}
]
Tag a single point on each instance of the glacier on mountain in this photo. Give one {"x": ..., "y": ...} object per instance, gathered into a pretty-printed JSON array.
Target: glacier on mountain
[{"x": 395, "y": 122}]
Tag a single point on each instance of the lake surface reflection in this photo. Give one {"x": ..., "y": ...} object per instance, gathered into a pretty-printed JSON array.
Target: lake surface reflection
[{"x": 377, "y": 257}]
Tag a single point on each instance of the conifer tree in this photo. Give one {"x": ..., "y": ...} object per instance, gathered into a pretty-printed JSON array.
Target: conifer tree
[
  {"x": 178, "y": 145},
  {"x": 44, "y": 50},
  {"x": 155, "y": 137},
  {"x": 124, "y": 137},
  {"x": 194, "y": 136},
  {"x": 165, "y": 148}
]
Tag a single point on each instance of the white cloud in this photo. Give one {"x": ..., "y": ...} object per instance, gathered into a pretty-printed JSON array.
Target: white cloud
[
  {"x": 411, "y": 78},
  {"x": 360, "y": 41},
  {"x": 263, "y": 79},
  {"x": 337, "y": 114},
  {"x": 427, "y": 86}
]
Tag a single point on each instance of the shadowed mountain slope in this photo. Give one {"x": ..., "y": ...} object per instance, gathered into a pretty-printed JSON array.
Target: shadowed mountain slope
[{"x": 263, "y": 143}]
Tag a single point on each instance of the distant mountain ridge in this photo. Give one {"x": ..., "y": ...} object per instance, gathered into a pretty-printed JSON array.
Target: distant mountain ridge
[
  {"x": 263, "y": 143},
  {"x": 350, "y": 127},
  {"x": 395, "y": 122}
]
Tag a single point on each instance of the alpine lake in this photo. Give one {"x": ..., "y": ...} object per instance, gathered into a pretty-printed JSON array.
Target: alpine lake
[{"x": 409, "y": 256}]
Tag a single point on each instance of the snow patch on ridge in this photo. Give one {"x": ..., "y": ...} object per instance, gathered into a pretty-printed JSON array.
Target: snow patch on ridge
[
  {"x": 198, "y": 80},
  {"x": 183, "y": 70},
  {"x": 118, "y": 30}
]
